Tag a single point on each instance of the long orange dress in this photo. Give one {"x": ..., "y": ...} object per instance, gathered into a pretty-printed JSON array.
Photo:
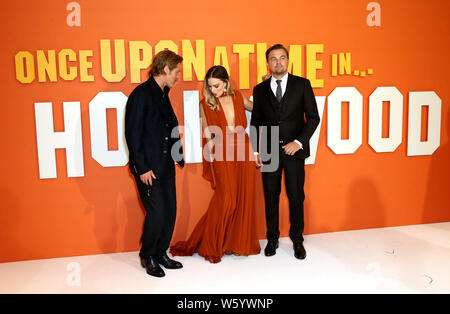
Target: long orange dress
[{"x": 229, "y": 225}]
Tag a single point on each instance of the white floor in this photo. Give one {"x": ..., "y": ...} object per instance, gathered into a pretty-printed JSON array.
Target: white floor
[{"x": 409, "y": 259}]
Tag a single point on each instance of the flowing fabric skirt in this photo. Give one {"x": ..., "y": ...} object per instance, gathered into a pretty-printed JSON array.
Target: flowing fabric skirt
[{"x": 229, "y": 225}]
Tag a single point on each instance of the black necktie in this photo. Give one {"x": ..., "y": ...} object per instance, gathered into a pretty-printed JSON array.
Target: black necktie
[{"x": 279, "y": 93}]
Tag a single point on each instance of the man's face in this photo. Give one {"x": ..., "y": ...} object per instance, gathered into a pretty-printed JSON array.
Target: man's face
[
  {"x": 278, "y": 62},
  {"x": 172, "y": 75}
]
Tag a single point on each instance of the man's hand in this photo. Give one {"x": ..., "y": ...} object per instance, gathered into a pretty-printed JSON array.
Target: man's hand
[
  {"x": 147, "y": 177},
  {"x": 291, "y": 148}
]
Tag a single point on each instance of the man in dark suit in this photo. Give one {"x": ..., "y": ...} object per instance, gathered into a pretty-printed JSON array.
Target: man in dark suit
[
  {"x": 151, "y": 131},
  {"x": 287, "y": 102}
]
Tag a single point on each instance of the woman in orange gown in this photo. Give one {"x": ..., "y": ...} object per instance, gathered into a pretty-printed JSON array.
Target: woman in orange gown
[{"x": 229, "y": 224}]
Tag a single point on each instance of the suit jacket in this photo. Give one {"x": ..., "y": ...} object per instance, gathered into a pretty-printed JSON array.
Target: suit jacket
[
  {"x": 298, "y": 103},
  {"x": 149, "y": 121}
]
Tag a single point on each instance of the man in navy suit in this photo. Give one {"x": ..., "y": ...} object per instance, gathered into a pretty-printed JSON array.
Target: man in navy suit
[
  {"x": 286, "y": 102},
  {"x": 151, "y": 131}
]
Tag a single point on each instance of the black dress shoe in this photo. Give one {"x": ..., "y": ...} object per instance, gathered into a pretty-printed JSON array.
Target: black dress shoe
[
  {"x": 299, "y": 250},
  {"x": 152, "y": 267},
  {"x": 271, "y": 247},
  {"x": 167, "y": 262}
]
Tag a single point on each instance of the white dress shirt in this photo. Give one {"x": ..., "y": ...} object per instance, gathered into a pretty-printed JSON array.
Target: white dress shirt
[{"x": 274, "y": 85}]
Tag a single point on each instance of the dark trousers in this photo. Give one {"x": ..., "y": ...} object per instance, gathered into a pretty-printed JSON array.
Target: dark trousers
[
  {"x": 160, "y": 204},
  {"x": 294, "y": 177}
]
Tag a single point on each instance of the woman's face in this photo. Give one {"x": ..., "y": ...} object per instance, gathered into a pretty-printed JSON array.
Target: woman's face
[{"x": 216, "y": 86}]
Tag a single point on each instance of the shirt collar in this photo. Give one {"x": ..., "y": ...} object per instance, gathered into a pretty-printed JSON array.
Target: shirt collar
[{"x": 283, "y": 79}]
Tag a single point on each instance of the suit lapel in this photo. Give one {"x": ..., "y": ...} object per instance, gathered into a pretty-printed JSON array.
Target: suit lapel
[{"x": 285, "y": 99}]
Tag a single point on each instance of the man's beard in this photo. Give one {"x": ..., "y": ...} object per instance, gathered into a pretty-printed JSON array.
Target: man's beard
[{"x": 280, "y": 72}]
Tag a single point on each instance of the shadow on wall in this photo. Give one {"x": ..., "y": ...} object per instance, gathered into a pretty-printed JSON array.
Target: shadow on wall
[
  {"x": 437, "y": 200},
  {"x": 116, "y": 215},
  {"x": 14, "y": 242},
  {"x": 365, "y": 209}
]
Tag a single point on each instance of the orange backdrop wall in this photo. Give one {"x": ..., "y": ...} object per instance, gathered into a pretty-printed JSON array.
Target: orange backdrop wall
[{"x": 407, "y": 47}]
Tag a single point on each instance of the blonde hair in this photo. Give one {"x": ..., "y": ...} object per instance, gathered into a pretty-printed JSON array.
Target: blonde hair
[{"x": 218, "y": 72}]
